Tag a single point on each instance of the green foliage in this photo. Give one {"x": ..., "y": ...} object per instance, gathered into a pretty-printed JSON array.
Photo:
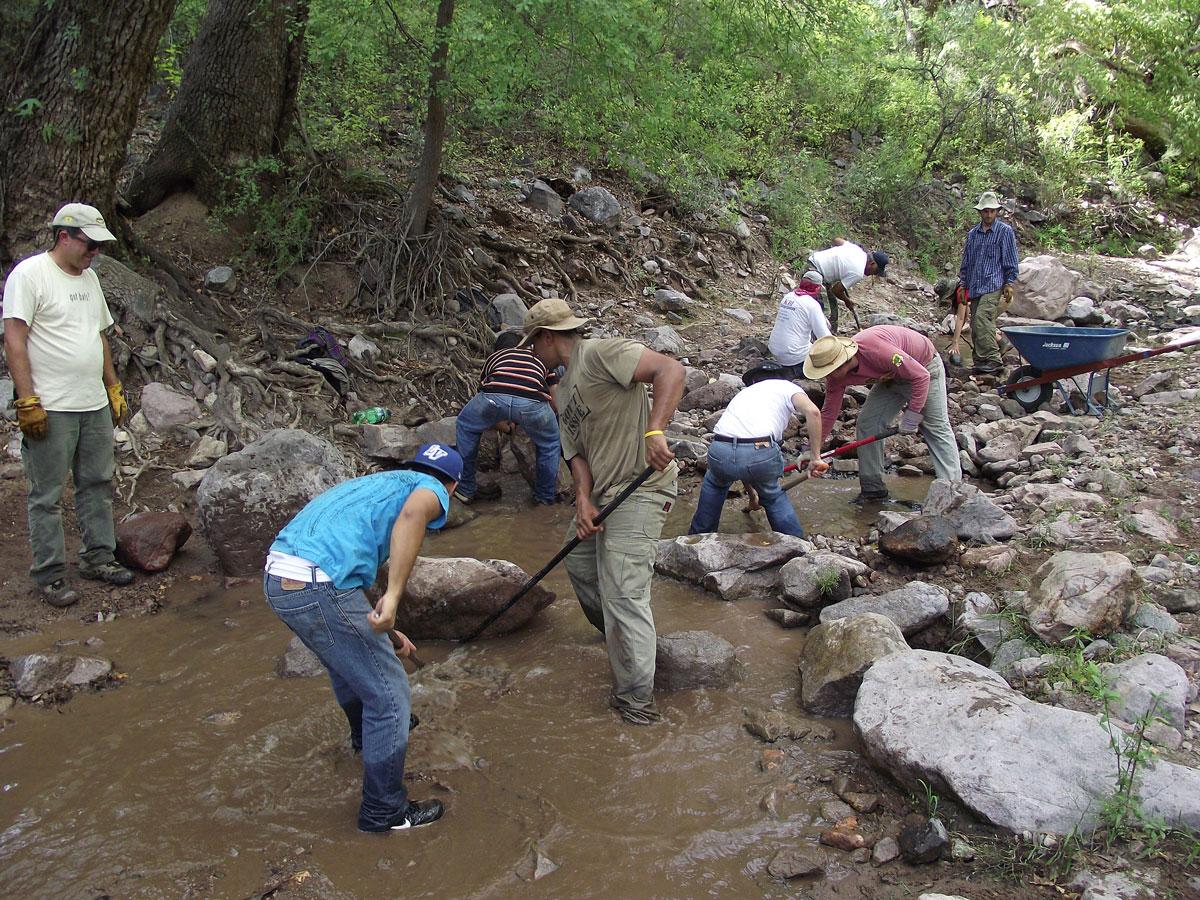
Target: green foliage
[{"x": 279, "y": 213}]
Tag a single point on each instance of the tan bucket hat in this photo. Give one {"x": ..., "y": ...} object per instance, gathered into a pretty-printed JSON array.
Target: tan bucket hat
[
  {"x": 553, "y": 315},
  {"x": 988, "y": 200},
  {"x": 827, "y": 354}
]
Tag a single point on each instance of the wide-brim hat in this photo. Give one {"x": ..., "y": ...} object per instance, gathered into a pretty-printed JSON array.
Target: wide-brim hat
[
  {"x": 438, "y": 457},
  {"x": 86, "y": 218},
  {"x": 988, "y": 200},
  {"x": 553, "y": 314},
  {"x": 826, "y": 354}
]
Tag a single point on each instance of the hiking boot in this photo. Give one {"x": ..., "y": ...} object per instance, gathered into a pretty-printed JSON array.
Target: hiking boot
[
  {"x": 109, "y": 573},
  {"x": 59, "y": 594},
  {"x": 417, "y": 815},
  {"x": 865, "y": 497},
  {"x": 464, "y": 499}
]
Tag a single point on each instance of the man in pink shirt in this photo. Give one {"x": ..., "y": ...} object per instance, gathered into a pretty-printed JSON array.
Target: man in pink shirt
[{"x": 907, "y": 374}]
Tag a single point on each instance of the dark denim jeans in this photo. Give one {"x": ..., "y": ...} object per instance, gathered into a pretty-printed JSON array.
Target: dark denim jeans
[
  {"x": 484, "y": 411},
  {"x": 369, "y": 682},
  {"x": 756, "y": 465}
]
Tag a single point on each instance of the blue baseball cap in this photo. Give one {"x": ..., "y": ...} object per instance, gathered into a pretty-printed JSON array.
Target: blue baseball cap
[
  {"x": 881, "y": 260},
  {"x": 440, "y": 458}
]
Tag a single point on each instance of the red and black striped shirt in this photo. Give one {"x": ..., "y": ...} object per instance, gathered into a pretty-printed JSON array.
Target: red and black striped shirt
[{"x": 518, "y": 372}]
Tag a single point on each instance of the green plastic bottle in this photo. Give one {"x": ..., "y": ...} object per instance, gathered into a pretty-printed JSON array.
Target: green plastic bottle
[{"x": 373, "y": 415}]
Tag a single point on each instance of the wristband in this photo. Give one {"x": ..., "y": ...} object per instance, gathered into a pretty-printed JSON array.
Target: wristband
[{"x": 651, "y": 433}]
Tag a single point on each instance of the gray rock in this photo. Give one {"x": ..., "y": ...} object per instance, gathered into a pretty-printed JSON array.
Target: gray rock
[
  {"x": 739, "y": 315},
  {"x": 694, "y": 659},
  {"x": 1149, "y": 685},
  {"x": 1021, "y": 765},
  {"x": 819, "y": 578},
  {"x": 596, "y": 204},
  {"x": 188, "y": 478},
  {"x": 1171, "y": 398},
  {"x": 1110, "y": 886},
  {"x": 796, "y": 863},
  {"x": 923, "y": 541},
  {"x": 1009, "y": 653},
  {"x": 925, "y": 843},
  {"x": 994, "y": 559},
  {"x": 1082, "y": 311},
  {"x": 709, "y": 397},
  {"x": 541, "y": 196},
  {"x": 736, "y": 584},
  {"x": 398, "y": 443},
  {"x": 362, "y": 349},
  {"x": 787, "y": 618},
  {"x": 981, "y": 619},
  {"x": 40, "y": 673},
  {"x": 205, "y": 452},
  {"x": 835, "y": 656},
  {"x": 912, "y": 608},
  {"x": 447, "y": 598},
  {"x": 221, "y": 280},
  {"x": 247, "y": 497},
  {"x": 885, "y": 850},
  {"x": 974, "y": 515},
  {"x": 770, "y": 725},
  {"x": 165, "y": 408},
  {"x": 1044, "y": 288},
  {"x": 298, "y": 661},
  {"x": 669, "y": 300},
  {"x": 692, "y": 557},
  {"x": 1149, "y": 620},
  {"x": 1089, "y": 591},
  {"x": 665, "y": 339},
  {"x": 507, "y": 311}
]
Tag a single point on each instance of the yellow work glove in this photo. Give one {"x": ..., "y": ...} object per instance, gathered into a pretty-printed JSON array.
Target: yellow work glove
[
  {"x": 31, "y": 417},
  {"x": 116, "y": 403}
]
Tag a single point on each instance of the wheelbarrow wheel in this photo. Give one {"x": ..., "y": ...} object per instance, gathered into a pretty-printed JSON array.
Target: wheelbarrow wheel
[{"x": 1030, "y": 396}]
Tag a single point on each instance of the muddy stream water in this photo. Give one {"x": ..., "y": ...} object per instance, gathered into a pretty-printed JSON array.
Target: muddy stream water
[{"x": 204, "y": 769}]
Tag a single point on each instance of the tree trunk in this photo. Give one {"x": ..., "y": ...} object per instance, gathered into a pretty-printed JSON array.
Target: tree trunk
[
  {"x": 236, "y": 101},
  {"x": 425, "y": 176},
  {"x": 75, "y": 90}
]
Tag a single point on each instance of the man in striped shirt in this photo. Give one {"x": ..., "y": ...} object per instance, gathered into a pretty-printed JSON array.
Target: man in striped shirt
[
  {"x": 514, "y": 387},
  {"x": 988, "y": 271}
]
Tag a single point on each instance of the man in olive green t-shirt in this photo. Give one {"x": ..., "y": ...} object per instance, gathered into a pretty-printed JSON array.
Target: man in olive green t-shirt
[{"x": 610, "y": 433}]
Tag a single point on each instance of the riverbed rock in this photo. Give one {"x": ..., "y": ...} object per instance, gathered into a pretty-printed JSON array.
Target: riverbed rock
[
  {"x": 298, "y": 661},
  {"x": 1089, "y": 591},
  {"x": 149, "y": 540},
  {"x": 796, "y": 863},
  {"x": 734, "y": 584},
  {"x": 694, "y": 659},
  {"x": 248, "y": 496},
  {"x": 836, "y": 654},
  {"x": 709, "y": 397},
  {"x": 787, "y": 618},
  {"x": 41, "y": 673},
  {"x": 923, "y": 541},
  {"x": 447, "y": 598},
  {"x": 399, "y": 443},
  {"x": 166, "y": 408},
  {"x": 975, "y": 517},
  {"x": 924, "y": 843},
  {"x": 693, "y": 556},
  {"x": 205, "y": 452},
  {"x": 981, "y": 619},
  {"x": 818, "y": 578},
  {"x": 1044, "y": 288},
  {"x": 994, "y": 559},
  {"x": 1149, "y": 684},
  {"x": 912, "y": 608},
  {"x": 770, "y": 725},
  {"x": 1051, "y": 497},
  {"x": 665, "y": 339},
  {"x": 1021, "y": 765}
]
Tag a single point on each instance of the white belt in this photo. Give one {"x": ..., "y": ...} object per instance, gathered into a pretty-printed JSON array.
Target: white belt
[{"x": 295, "y": 568}]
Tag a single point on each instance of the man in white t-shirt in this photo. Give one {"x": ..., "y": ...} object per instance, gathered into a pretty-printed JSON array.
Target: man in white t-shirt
[
  {"x": 746, "y": 448},
  {"x": 68, "y": 399},
  {"x": 842, "y": 266},
  {"x": 799, "y": 322}
]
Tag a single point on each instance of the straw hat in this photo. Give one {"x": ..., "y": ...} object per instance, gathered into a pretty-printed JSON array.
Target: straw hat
[
  {"x": 553, "y": 314},
  {"x": 827, "y": 354}
]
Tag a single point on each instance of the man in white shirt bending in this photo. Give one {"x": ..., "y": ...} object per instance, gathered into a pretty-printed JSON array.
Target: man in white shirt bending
[
  {"x": 799, "y": 322},
  {"x": 746, "y": 448},
  {"x": 842, "y": 266}
]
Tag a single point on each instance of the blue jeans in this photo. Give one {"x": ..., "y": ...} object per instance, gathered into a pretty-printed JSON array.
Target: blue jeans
[
  {"x": 757, "y": 466},
  {"x": 484, "y": 411},
  {"x": 369, "y": 682}
]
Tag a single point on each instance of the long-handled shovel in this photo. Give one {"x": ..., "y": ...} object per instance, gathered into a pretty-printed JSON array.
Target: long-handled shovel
[
  {"x": 560, "y": 555},
  {"x": 792, "y": 480}
]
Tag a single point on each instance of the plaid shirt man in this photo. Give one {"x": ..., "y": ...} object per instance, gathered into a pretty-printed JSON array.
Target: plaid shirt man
[{"x": 989, "y": 259}]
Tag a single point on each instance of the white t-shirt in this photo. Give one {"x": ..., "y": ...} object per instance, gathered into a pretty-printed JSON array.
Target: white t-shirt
[
  {"x": 799, "y": 322},
  {"x": 65, "y": 314},
  {"x": 761, "y": 410},
  {"x": 845, "y": 263}
]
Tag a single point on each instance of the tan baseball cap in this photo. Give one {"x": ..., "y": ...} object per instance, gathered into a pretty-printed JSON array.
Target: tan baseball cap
[
  {"x": 826, "y": 354},
  {"x": 553, "y": 315},
  {"x": 86, "y": 218}
]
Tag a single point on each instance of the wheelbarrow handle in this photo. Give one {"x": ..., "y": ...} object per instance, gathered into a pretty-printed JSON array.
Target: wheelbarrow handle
[{"x": 560, "y": 555}]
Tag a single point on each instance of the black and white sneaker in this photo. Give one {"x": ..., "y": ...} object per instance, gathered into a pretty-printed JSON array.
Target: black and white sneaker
[{"x": 418, "y": 815}]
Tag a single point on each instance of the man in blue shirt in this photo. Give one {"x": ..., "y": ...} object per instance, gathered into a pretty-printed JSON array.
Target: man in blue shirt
[
  {"x": 317, "y": 570},
  {"x": 988, "y": 271}
]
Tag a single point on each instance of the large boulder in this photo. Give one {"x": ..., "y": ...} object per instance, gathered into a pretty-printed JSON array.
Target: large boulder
[
  {"x": 709, "y": 397},
  {"x": 835, "y": 656},
  {"x": 247, "y": 497},
  {"x": 1148, "y": 685},
  {"x": 819, "y": 578},
  {"x": 1092, "y": 592},
  {"x": 149, "y": 540},
  {"x": 41, "y": 673},
  {"x": 694, "y": 659},
  {"x": 912, "y": 608},
  {"x": 596, "y": 204},
  {"x": 1021, "y": 765},
  {"x": 923, "y": 541},
  {"x": 399, "y": 443},
  {"x": 446, "y": 599},
  {"x": 1044, "y": 288},
  {"x": 693, "y": 556},
  {"x": 734, "y": 584},
  {"x": 166, "y": 408},
  {"x": 541, "y": 196},
  {"x": 1052, "y": 497},
  {"x": 975, "y": 517}
]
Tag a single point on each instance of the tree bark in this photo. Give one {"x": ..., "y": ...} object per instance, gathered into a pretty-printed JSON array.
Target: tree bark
[
  {"x": 236, "y": 101},
  {"x": 70, "y": 101},
  {"x": 429, "y": 166}
]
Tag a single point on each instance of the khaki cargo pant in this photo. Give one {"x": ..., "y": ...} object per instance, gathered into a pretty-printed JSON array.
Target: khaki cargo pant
[
  {"x": 611, "y": 575},
  {"x": 984, "y": 310},
  {"x": 883, "y": 404}
]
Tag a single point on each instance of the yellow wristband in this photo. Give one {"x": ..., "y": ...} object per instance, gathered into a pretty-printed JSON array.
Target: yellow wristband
[{"x": 651, "y": 433}]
